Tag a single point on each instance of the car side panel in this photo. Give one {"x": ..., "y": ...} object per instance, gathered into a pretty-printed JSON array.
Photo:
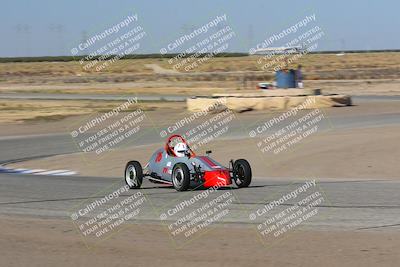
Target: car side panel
[{"x": 162, "y": 164}]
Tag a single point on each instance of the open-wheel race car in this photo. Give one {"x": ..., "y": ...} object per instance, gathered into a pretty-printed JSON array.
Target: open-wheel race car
[{"x": 177, "y": 164}]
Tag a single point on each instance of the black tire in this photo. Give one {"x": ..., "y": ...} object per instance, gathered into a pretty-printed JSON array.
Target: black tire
[
  {"x": 242, "y": 173},
  {"x": 133, "y": 174},
  {"x": 180, "y": 177}
]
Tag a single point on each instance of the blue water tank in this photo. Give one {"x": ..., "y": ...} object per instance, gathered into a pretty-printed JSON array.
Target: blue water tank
[{"x": 285, "y": 79}]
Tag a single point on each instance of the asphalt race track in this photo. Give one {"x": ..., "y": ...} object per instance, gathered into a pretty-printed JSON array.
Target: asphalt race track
[{"x": 351, "y": 204}]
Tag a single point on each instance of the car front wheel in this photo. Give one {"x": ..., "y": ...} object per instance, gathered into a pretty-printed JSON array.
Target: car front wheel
[
  {"x": 133, "y": 174},
  {"x": 242, "y": 173},
  {"x": 181, "y": 177}
]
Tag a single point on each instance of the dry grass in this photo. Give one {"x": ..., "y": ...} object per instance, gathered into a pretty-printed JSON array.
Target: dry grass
[
  {"x": 71, "y": 68},
  {"x": 133, "y": 76},
  {"x": 51, "y": 110},
  {"x": 149, "y": 88},
  {"x": 321, "y": 62}
]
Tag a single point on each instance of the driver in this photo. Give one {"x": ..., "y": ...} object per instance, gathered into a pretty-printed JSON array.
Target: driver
[{"x": 181, "y": 150}]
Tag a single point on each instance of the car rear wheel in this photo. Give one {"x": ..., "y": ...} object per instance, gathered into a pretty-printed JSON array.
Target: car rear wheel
[
  {"x": 181, "y": 177},
  {"x": 242, "y": 173},
  {"x": 133, "y": 174}
]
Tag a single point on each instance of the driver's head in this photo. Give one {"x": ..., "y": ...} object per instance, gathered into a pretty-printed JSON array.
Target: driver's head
[{"x": 180, "y": 149}]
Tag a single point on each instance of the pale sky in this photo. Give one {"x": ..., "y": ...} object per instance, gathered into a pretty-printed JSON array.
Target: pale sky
[{"x": 53, "y": 27}]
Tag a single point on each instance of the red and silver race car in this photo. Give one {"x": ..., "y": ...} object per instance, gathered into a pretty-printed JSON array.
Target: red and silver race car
[{"x": 177, "y": 164}]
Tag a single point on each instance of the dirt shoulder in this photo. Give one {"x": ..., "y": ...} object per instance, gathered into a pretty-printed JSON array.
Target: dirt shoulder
[
  {"x": 19, "y": 111},
  {"x": 201, "y": 87},
  {"x": 48, "y": 242}
]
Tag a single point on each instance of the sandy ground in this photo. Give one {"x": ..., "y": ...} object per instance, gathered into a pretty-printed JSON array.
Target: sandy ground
[
  {"x": 357, "y": 87},
  {"x": 15, "y": 110},
  {"x": 163, "y": 113},
  {"x": 47, "y": 242}
]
